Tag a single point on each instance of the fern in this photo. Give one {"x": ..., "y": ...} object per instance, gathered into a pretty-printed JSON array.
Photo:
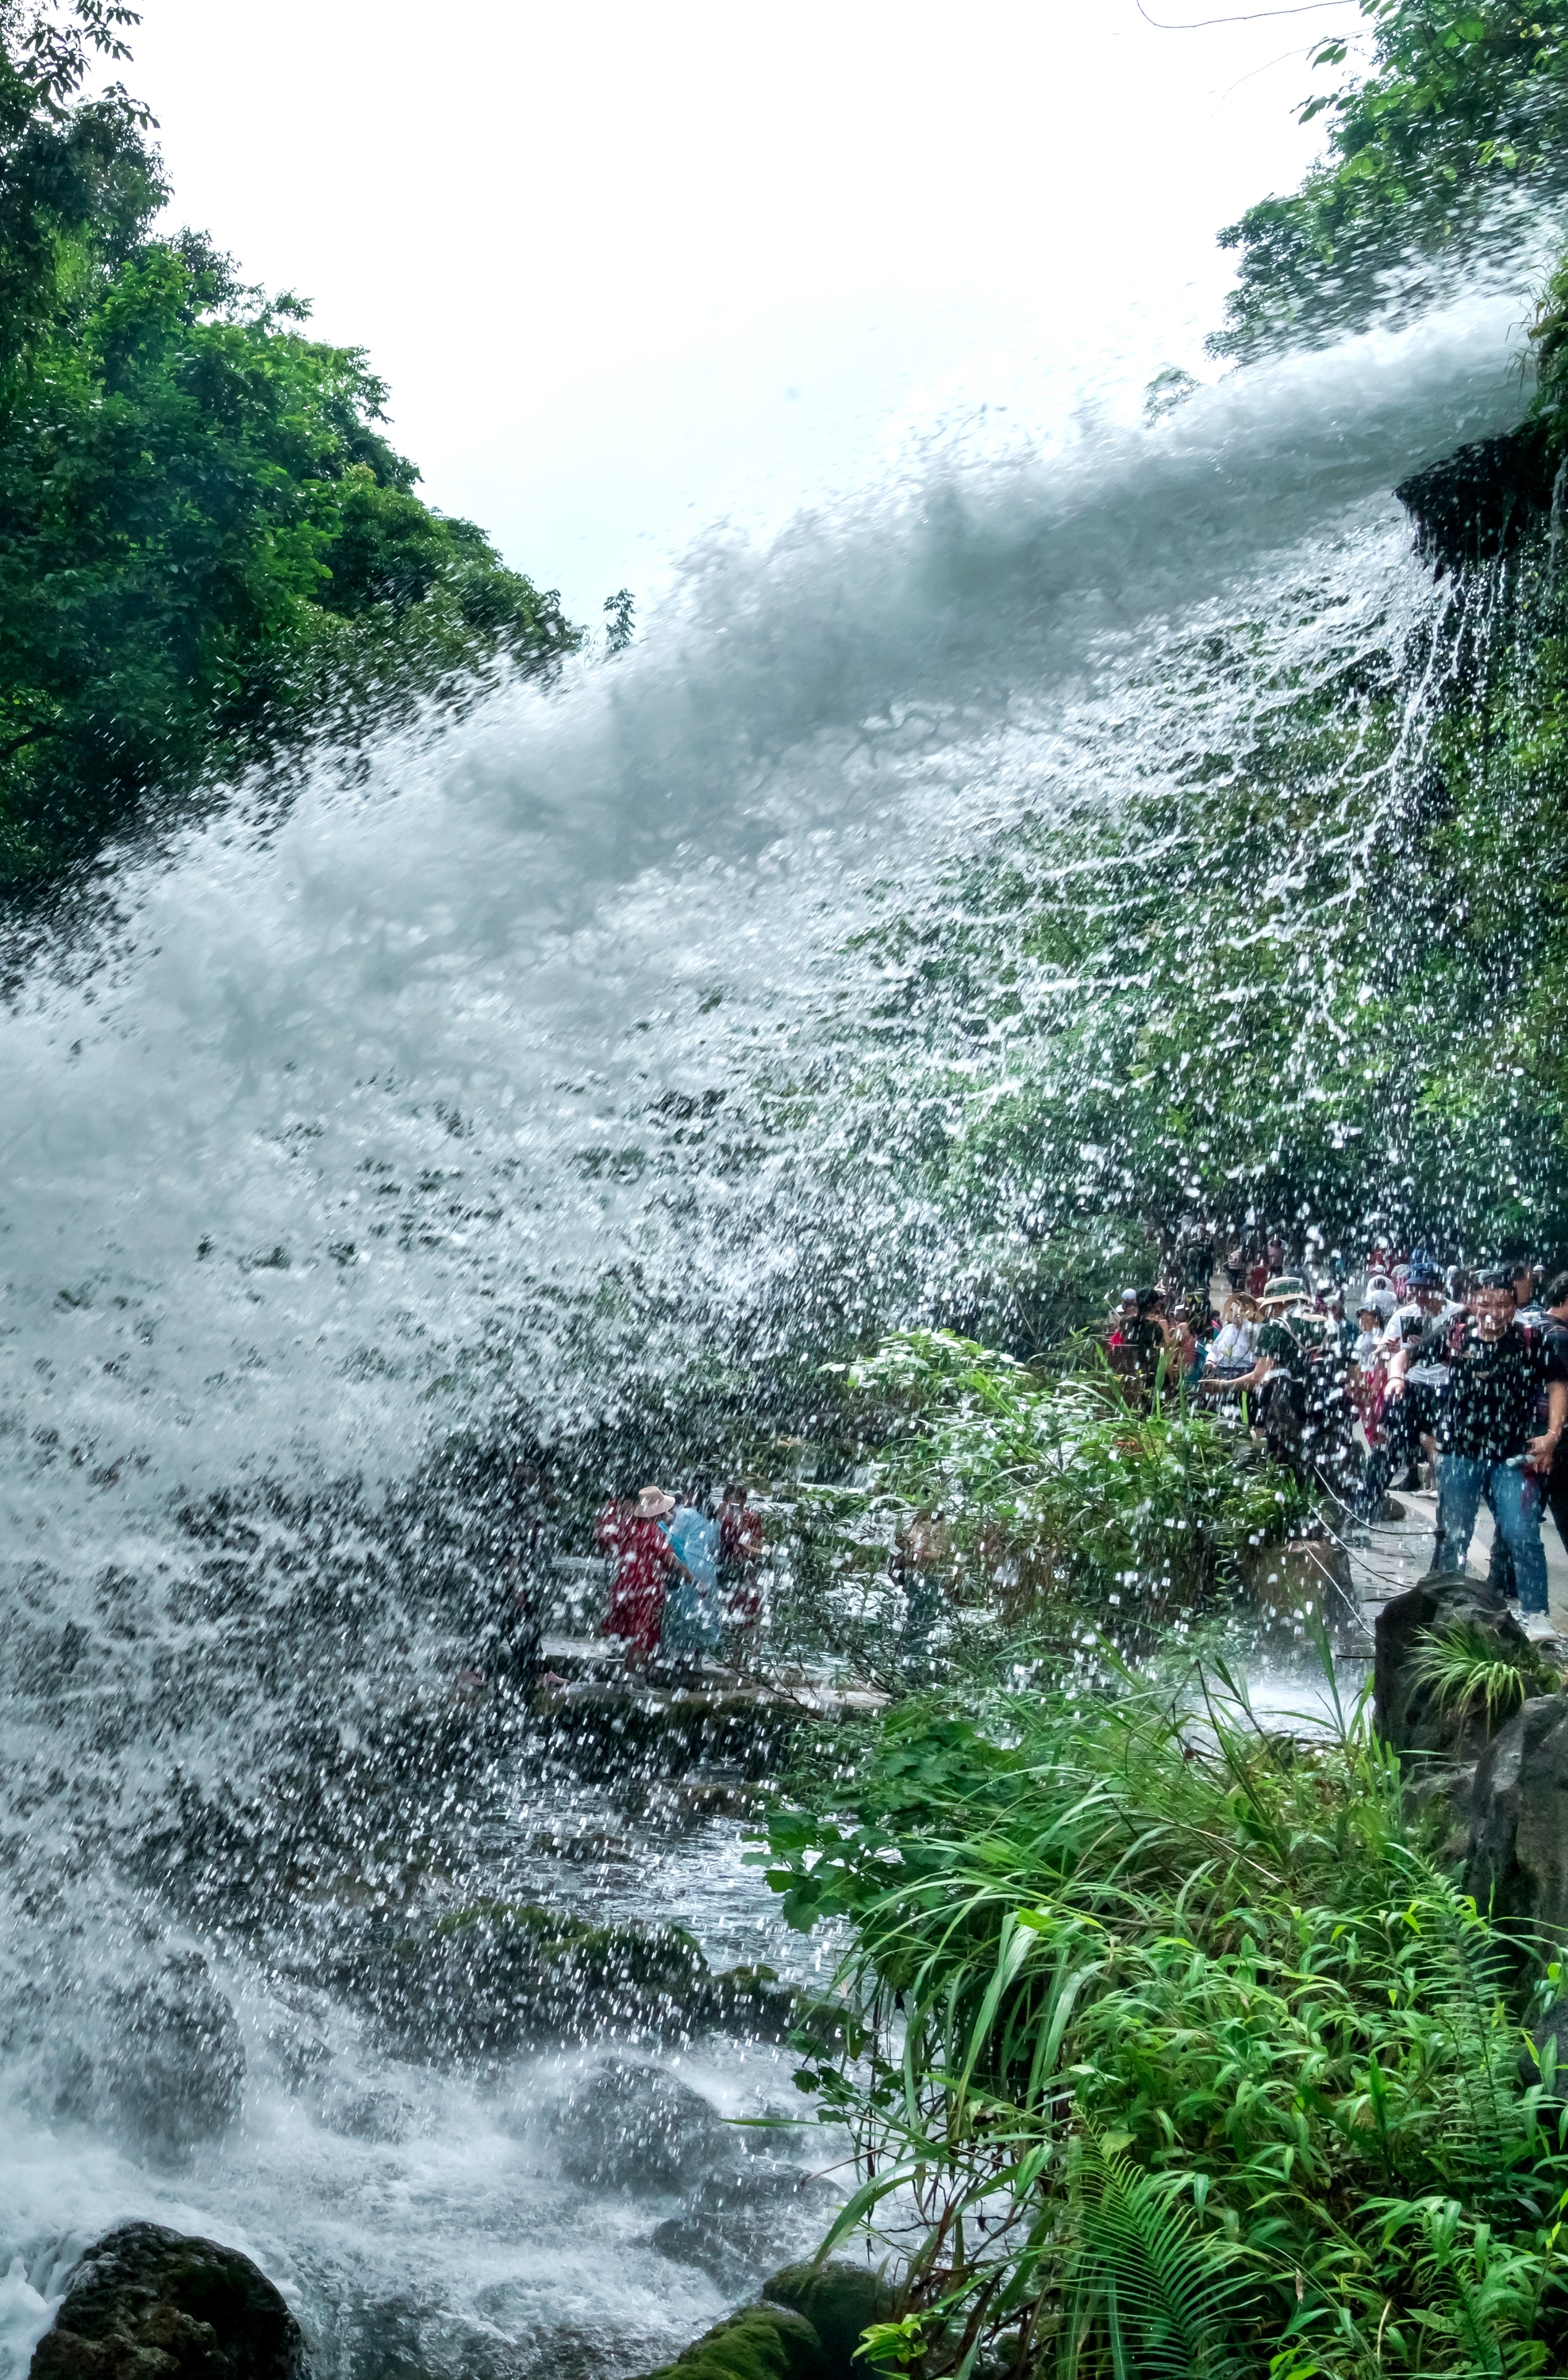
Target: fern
[
  {"x": 1122, "y": 1963},
  {"x": 1169, "y": 2299}
]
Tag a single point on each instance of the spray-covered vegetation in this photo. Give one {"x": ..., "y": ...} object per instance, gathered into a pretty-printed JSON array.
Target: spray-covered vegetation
[
  {"x": 1295, "y": 957},
  {"x": 1461, "y": 119},
  {"x": 1300, "y": 963},
  {"x": 1042, "y": 1502},
  {"x": 1171, "y": 2049}
]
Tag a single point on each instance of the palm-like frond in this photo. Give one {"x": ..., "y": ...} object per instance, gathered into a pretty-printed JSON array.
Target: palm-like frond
[{"x": 1162, "y": 2298}]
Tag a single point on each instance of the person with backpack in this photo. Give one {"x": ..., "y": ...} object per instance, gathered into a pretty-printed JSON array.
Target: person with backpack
[{"x": 1488, "y": 1439}]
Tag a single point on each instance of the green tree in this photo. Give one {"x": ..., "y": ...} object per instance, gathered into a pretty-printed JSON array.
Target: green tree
[
  {"x": 205, "y": 539},
  {"x": 1465, "y": 112}
]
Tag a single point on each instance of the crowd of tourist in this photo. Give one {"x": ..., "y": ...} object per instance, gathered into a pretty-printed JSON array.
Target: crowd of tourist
[
  {"x": 1407, "y": 1376},
  {"x": 1460, "y": 1375}
]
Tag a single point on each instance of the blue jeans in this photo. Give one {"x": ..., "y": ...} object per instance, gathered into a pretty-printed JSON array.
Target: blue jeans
[{"x": 1514, "y": 1497}]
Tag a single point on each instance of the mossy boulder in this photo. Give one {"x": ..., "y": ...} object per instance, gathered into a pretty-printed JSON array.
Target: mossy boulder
[
  {"x": 148, "y": 2303},
  {"x": 808, "y": 2328},
  {"x": 498, "y": 1977},
  {"x": 758, "y": 2343},
  {"x": 838, "y": 2299}
]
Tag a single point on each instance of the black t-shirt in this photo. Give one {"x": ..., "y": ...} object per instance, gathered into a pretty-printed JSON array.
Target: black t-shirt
[
  {"x": 1284, "y": 1350},
  {"x": 1488, "y": 1411},
  {"x": 1146, "y": 1339}
]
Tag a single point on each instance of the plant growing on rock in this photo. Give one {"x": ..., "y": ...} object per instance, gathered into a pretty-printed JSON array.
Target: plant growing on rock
[{"x": 1467, "y": 1671}]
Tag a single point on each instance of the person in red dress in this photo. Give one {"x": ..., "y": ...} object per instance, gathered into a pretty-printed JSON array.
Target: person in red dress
[{"x": 645, "y": 1560}]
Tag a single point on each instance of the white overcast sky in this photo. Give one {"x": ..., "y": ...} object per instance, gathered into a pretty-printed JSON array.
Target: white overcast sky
[{"x": 630, "y": 270}]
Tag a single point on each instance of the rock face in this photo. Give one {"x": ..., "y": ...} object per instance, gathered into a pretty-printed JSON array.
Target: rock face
[
  {"x": 1508, "y": 1791},
  {"x": 1516, "y": 1858},
  {"x": 1481, "y": 501},
  {"x": 146, "y": 2303},
  {"x": 1405, "y": 1712}
]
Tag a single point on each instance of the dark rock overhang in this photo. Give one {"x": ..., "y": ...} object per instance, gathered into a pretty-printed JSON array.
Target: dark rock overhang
[{"x": 1487, "y": 498}]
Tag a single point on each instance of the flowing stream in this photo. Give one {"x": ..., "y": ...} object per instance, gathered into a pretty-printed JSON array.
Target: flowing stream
[{"x": 524, "y": 1060}]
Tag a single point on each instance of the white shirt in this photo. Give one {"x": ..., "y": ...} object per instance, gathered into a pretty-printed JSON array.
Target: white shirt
[{"x": 1432, "y": 1326}]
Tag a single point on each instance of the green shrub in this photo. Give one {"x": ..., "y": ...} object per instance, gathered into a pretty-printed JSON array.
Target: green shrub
[
  {"x": 1060, "y": 1481},
  {"x": 1184, "y": 2055}
]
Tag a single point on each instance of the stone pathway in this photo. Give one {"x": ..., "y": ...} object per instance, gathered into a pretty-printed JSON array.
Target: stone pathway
[{"x": 1393, "y": 1555}]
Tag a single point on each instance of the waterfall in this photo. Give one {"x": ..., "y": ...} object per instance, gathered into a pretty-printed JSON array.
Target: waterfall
[{"x": 357, "y": 1116}]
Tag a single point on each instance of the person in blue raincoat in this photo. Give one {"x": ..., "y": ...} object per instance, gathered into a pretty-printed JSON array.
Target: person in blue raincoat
[{"x": 692, "y": 1622}]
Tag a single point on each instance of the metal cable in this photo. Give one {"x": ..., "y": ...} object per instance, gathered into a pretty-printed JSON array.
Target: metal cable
[{"x": 1254, "y": 16}]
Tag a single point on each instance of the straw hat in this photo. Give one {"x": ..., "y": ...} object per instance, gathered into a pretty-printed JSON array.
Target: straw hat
[{"x": 653, "y": 1504}]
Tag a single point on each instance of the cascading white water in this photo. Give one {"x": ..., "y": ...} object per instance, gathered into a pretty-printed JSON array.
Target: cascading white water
[{"x": 323, "y": 1152}]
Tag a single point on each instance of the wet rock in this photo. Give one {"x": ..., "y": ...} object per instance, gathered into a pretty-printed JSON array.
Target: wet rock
[
  {"x": 758, "y": 2343},
  {"x": 838, "y": 2299},
  {"x": 752, "y": 2001},
  {"x": 366, "y": 2114},
  {"x": 644, "y": 1734},
  {"x": 1407, "y": 1713},
  {"x": 301, "y": 2055},
  {"x": 176, "y": 2072},
  {"x": 500, "y": 1976},
  {"x": 1484, "y": 499},
  {"x": 735, "y": 2225},
  {"x": 626, "y": 2127},
  {"x": 146, "y": 2303},
  {"x": 1517, "y": 1857}
]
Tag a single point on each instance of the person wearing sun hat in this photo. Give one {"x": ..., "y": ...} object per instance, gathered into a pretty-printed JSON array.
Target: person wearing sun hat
[{"x": 636, "y": 1536}]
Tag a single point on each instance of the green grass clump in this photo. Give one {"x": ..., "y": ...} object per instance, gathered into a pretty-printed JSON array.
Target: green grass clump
[
  {"x": 1184, "y": 2055},
  {"x": 1468, "y": 1671}
]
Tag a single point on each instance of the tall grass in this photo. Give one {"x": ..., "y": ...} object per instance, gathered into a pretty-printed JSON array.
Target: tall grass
[{"x": 1178, "y": 2053}]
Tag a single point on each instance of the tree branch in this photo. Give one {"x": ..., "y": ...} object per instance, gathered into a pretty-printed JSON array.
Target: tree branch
[{"x": 30, "y": 736}]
